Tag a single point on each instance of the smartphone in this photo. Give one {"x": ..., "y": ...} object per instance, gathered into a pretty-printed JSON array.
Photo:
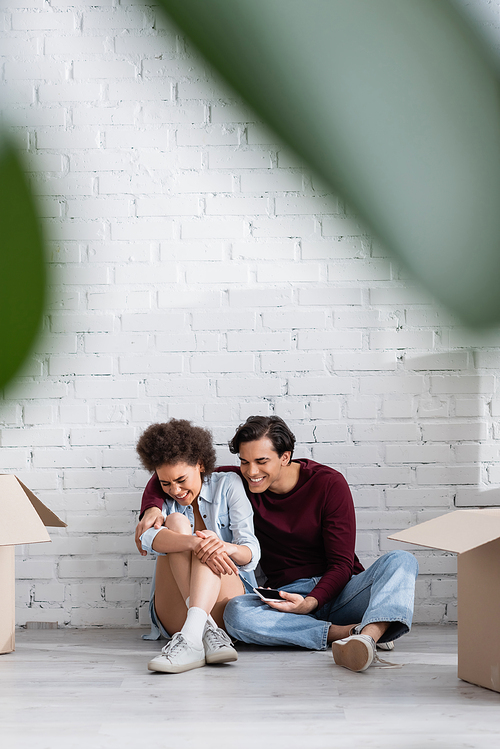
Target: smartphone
[{"x": 269, "y": 594}]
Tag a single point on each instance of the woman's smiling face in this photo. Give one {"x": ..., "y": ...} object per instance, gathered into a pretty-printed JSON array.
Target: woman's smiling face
[{"x": 181, "y": 481}]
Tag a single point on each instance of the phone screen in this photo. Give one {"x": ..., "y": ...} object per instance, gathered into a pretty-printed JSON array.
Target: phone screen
[{"x": 269, "y": 593}]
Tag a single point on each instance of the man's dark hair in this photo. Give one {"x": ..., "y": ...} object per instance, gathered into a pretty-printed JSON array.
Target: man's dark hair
[
  {"x": 257, "y": 427},
  {"x": 176, "y": 441}
]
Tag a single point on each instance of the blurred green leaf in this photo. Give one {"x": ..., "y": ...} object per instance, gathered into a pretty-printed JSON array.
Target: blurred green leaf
[
  {"x": 396, "y": 104},
  {"x": 22, "y": 267}
]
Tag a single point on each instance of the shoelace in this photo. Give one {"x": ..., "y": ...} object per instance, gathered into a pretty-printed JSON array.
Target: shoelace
[
  {"x": 377, "y": 662},
  {"x": 214, "y": 637},
  {"x": 176, "y": 643}
]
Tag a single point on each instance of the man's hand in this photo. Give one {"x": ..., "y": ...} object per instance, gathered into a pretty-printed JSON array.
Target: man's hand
[
  {"x": 212, "y": 552},
  {"x": 293, "y": 603},
  {"x": 152, "y": 518}
]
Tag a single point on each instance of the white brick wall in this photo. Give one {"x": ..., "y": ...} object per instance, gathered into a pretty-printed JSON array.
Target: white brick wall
[{"x": 198, "y": 270}]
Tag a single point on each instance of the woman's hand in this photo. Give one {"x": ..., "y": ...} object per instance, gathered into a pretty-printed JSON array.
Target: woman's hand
[
  {"x": 212, "y": 552},
  {"x": 152, "y": 517}
]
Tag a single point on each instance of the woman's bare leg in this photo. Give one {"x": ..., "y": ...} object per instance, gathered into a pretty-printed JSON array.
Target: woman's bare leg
[{"x": 181, "y": 574}]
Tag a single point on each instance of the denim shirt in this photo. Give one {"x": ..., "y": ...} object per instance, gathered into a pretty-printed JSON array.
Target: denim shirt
[{"x": 226, "y": 510}]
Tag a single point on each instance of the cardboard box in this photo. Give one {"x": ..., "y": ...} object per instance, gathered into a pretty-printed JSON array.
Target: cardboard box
[
  {"x": 22, "y": 521},
  {"x": 475, "y": 536}
]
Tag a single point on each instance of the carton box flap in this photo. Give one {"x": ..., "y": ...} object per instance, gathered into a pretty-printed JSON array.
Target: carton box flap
[
  {"x": 458, "y": 531},
  {"x": 23, "y": 516}
]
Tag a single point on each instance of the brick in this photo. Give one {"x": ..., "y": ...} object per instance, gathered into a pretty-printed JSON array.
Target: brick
[
  {"x": 34, "y": 414},
  {"x": 94, "y": 436},
  {"x": 376, "y": 385},
  {"x": 32, "y": 437},
  {"x": 320, "y": 385},
  {"x": 216, "y": 273},
  {"x": 471, "y": 407},
  {"x": 56, "y": 93},
  {"x": 367, "y": 408},
  {"x": 105, "y": 387},
  {"x": 217, "y": 205},
  {"x": 75, "y": 323},
  {"x": 50, "y": 592},
  {"x": 225, "y": 319},
  {"x": 85, "y": 457},
  {"x": 258, "y": 341},
  {"x": 185, "y": 387},
  {"x": 330, "y": 409},
  {"x": 141, "y": 229},
  {"x": 376, "y": 475},
  {"x": 33, "y": 21},
  {"x": 412, "y": 498},
  {"x": 463, "y": 384},
  {"x": 27, "y": 569},
  {"x": 206, "y": 135},
  {"x": 326, "y": 249},
  {"x": 227, "y": 157},
  {"x": 222, "y": 363},
  {"x": 283, "y": 227},
  {"x": 401, "y": 339},
  {"x": 263, "y": 387},
  {"x": 447, "y": 475},
  {"x": 454, "y": 431},
  {"x": 365, "y": 361},
  {"x": 430, "y": 408},
  {"x": 277, "y": 297},
  {"x": 385, "y": 432},
  {"x": 106, "y": 344},
  {"x": 12, "y": 458},
  {"x": 476, "y": 453},
  {"x": 84, "y": 69},
  {"x": 398, "y": 408},
  {"x": 343, "y": 455},
  {"x": 153, "y": 364},
  {"x": 433, "y": 361},
  {"x": 118, "y": 300},
  {"x": 394, "y": 296},
  {"x": 290, "y": 272},
  {"x": 90, "y": 365},
  {"x": 418, "y": 454},
  {"x": 202, "y": 227},
  {"x": 271, "y": 181},
  {"x": 293, "y": 362},
  {"x": 159, "y": 321},
  {"x": 353, "y": 318},
  {"x": 359, "y": 270}
]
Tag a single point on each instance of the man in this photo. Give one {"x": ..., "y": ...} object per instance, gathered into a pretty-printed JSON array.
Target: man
[{"x": 305, "y": 522}]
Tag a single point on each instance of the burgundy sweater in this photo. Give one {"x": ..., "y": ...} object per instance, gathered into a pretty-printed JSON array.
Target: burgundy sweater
[{"x": 309, "y": 532}]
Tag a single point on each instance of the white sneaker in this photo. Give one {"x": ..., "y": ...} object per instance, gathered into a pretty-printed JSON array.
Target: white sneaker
[
  {"x": 356, "y": 652},
  {"x": 218, "y": 646},
  {"x": 385, "y": 645},
  {"x": 177, "y": 656}
]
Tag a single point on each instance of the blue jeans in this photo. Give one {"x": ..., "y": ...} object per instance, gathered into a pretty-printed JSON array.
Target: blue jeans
[{"x": 382, "y": 593}]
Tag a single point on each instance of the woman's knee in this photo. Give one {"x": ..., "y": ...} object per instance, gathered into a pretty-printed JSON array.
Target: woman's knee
[{"x": 178, "y": 523}]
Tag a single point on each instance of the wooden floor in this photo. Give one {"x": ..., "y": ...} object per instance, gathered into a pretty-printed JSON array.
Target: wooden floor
[{"x": 87, "y": 689}]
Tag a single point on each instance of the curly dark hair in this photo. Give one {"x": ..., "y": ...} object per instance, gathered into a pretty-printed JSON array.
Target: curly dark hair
[
  {"x": 176, "y": 441},
  {"x": 256, "y": 427}
]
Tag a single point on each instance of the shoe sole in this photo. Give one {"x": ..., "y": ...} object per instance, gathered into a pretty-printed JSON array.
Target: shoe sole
[
  {"x": 222, "y": 657},
  {"x": 354, "y": 655},
  {"x": 170, "y": 668}
]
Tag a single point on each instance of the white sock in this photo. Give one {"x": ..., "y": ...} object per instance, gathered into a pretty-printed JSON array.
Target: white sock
[
  {"x": 194, "y": 626},
  {"x": 210, "y": 621}
]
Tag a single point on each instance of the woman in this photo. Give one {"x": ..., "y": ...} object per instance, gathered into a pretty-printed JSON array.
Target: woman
[{"x": 205, "y": 543}]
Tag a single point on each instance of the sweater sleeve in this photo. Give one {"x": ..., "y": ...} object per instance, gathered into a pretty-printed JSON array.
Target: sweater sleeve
[
  {"x": 153, "y": 495},
  {"x": 338, "y": 528}
]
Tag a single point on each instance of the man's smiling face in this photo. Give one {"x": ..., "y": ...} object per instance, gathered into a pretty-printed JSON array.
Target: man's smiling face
[{"x": 261, "y": 466}]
